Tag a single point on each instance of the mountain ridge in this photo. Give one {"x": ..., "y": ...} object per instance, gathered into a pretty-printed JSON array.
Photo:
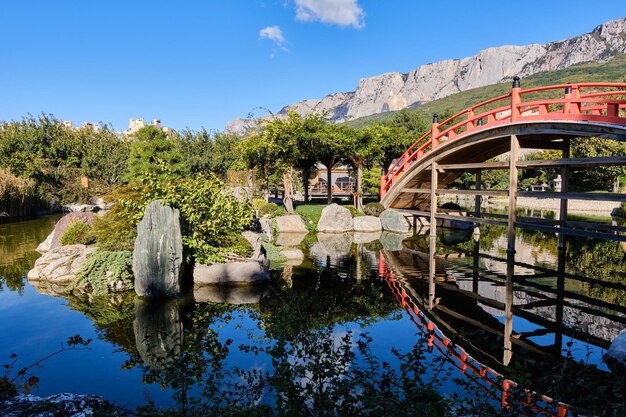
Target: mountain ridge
[{"x": 393, "y": 91}]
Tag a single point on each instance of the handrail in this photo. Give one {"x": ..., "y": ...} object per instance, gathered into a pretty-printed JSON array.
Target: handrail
[{"x": 572, "y": 105}]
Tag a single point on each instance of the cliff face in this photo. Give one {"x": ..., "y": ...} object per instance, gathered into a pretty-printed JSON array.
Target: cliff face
[{"x": 395, "y": 91}]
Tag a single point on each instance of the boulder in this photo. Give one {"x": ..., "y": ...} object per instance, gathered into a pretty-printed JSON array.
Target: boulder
[
  {"x": 265, "y": 227},
  {"x": 231, "y": 273},
  {"x": 69, "y": 405},
  {"x": 60, "y": 265},
  {"x": 290, "y": 239},
  {"x": 393, "y": 241},
  {"x": 249, "y": 294},
  {"x": 54, "y": 238},
  {"x": 291, "y": 223},
  {"x": 335, "y": 219},
  {"x": 615, "y": 357},
  {"x": 158, "y": 253},
  {"x": 367, "y": 224},
  {"x": 258, "y": 251},
  {"x": 394, "y": 221}
]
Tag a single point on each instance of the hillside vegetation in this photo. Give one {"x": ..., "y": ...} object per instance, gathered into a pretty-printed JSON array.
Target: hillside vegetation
[{"x": 612, "y": 71}]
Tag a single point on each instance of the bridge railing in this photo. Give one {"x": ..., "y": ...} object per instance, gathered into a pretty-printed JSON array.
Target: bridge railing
[{"x": 604, "y": 102}]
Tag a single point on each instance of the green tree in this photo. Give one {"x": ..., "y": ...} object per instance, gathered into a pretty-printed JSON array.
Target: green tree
[
  {"x": 151, "y": 150},
  {"x": 604, "y": 177}
]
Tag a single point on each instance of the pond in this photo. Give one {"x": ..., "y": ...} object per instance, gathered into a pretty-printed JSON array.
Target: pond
[{"x": 452, "y": 315}]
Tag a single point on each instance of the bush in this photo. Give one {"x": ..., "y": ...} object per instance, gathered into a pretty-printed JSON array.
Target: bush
[
  {"x": 257, "y": 203},
  {"x": 268, "y": 209},
  {"x": 621, "y": 210},
  {"x": 354, "y": 212},
  {"x": 78, "y": 233},
  {"x": 117, "y": 229},
  {"x": 373, "y": 209},
  {"x": 106, "y": 272}
]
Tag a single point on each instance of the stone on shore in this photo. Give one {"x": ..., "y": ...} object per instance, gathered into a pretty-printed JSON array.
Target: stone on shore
[
  {"x": 291, "y": 223},
  {"x": 394, "y": 221},
  {"x": 54, "y": 238},
  {"x": 60, "y": 264},
  {"x": 335, "y": 219},
  {"x": 367, "y": 224},
  {"x": 158, "y": 254}
]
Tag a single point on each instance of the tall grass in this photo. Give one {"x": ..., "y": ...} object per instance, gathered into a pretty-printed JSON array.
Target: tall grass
[{"x": 18, "y": 196}]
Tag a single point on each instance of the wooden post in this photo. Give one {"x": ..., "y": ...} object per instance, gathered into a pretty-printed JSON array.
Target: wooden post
[
  {"x": 512, "y": 193},
  {"x": 560, "y": 289},
  {"x": 434, "y": 178},
  {"x": 564, "y": 189},
  {"x": 476, "y": 263},
  {"x": 477, "y": 200}
]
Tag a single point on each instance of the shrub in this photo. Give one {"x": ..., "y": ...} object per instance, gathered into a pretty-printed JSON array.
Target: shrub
[
  {"x": 354, "y": 212},
  {"x": 78, "y": 233},
  {"x": 373, "y": 209},
  {"x": 267, "y": 209},
  {"x": 105, "y": 272},
  {"x": 621, "y": 210}
]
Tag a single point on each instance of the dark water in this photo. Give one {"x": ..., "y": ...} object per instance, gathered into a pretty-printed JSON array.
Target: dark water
[{"x": 488, "y": 316}]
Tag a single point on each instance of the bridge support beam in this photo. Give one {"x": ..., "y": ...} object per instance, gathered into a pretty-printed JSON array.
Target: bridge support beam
[
  {"x": 477, "y": 201},
  {"x": 434, "y": 179},
  {"x": 512, "y": 193}
]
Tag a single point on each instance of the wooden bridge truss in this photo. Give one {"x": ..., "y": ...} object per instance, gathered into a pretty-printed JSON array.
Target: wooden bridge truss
[{"x": 538, "y": 118}]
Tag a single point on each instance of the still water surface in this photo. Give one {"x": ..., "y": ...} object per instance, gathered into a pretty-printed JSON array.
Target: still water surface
[{"x": 527, "y": 312}]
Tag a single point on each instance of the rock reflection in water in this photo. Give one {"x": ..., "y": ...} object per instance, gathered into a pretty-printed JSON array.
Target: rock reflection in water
[
  {"x": 158, "y": 331},
  {"x": 237, "y": 295}
]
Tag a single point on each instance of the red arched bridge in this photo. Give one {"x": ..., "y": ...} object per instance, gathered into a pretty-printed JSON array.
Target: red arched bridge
[{"x": 536, "y": 118}]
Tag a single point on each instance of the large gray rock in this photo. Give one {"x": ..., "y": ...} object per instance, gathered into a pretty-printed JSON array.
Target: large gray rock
[
  {"x": 290, "y": 224},
  {"x": 54, "y": 238},
  {"x": 367, "y": 224},
  {"x": 394, "y": 221},
  {"x": 231, "y": 273},
  {"x": 158, "y": 253},
  {"x": 248, "y": 294},
  {"x": 60, "y": 264},
  {"x": 335, "y": 219}
]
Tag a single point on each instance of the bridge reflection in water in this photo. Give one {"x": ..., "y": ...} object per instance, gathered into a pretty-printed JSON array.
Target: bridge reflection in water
[{"x": 453, "y": 296}]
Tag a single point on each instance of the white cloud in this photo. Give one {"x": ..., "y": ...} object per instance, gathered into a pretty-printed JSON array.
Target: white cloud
[
  {"x": 335, "y": 12},
  {"x": 274, "y": 34}
]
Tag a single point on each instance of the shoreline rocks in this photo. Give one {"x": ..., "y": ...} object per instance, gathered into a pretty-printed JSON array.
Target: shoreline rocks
[
  {"x": 60, "y": 265},
  {"x": 54, "y": 238},
  {"x": 367, "y": 224},
  {"x": 394, "y": 221},
  {"x": 291, "y": 223}
]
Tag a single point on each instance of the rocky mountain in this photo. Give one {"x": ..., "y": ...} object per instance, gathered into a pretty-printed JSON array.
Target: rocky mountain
[{"x": 395, "y": 91}]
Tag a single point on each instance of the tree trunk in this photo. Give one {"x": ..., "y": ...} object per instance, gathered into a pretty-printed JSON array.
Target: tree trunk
[
  {"x": 305, "y": 183},
  {"x": 288, "y": 193},
  {"x": 616, "y": 185},
  {"x": 329, "y": 178},
  {"x": 359, "y": 184}
]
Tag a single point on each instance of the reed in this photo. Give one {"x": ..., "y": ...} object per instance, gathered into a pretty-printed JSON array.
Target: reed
[{"x": 18, "y": 196}]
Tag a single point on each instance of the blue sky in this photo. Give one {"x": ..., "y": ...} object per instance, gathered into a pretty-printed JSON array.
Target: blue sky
[{"x": 202, "y": 63}]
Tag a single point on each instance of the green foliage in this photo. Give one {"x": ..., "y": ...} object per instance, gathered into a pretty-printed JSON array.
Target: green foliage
[
  {"x": 268, "y": 209},
  {"x": 105, "y": 272},
  {"x": 205, "y": 152},
  {"x": 600, "y": 178},
  {"x": 210, "y": 211},
  {"x": 373, "y": 209},
  {"x": 150, "y": 151},
  {"x": 311, "y": 214},
  {"x": 621, "y": 210},
  {"x": 273, "y": 252},
  {"x": 117, "y": 229},
  {"x": 78, "y": 233},
  {"x": 18, "y": 196},
  {"x": 354, "y": 212}
]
